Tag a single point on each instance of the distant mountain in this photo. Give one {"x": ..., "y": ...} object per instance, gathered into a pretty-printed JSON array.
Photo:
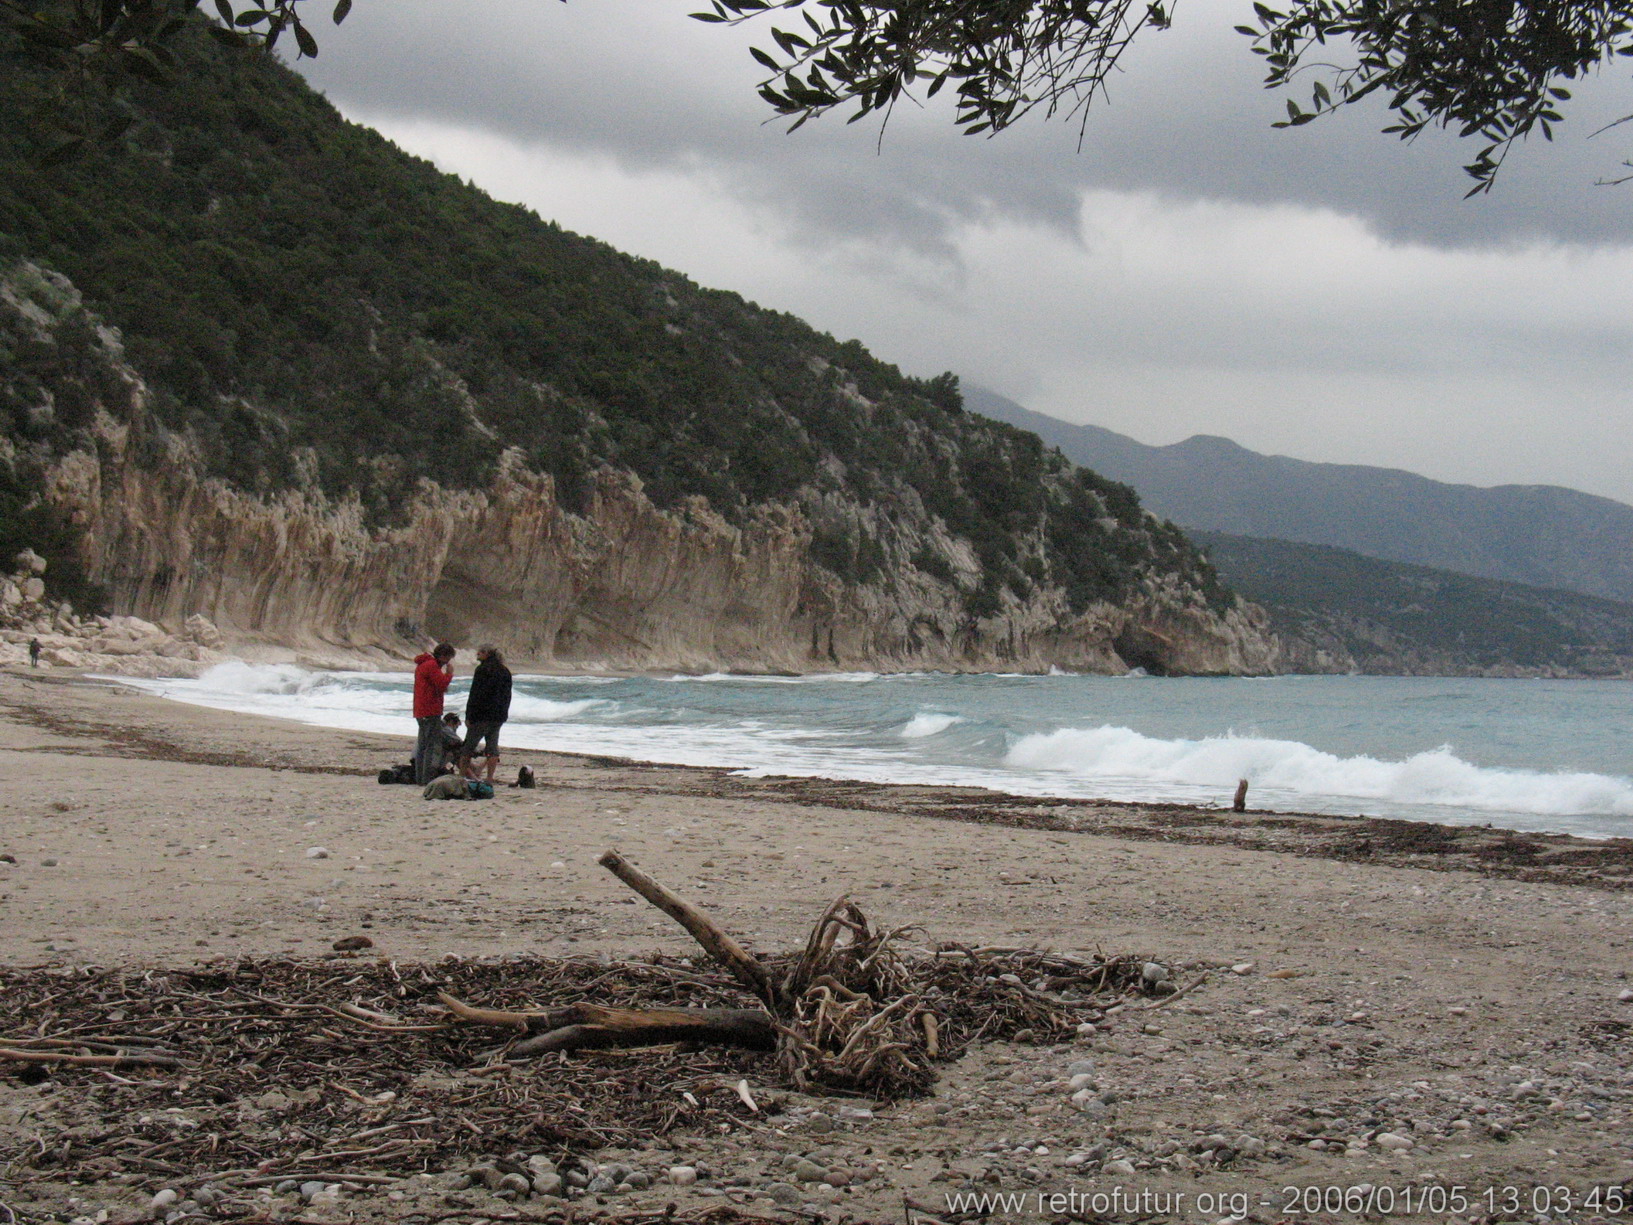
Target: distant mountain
[
  {"x": 1538, "y": 535},
  {"x": 1337, "y": 611}
]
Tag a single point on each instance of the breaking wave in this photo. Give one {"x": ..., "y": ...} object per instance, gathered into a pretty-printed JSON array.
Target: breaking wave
[{"x": 1292, "y": 769}]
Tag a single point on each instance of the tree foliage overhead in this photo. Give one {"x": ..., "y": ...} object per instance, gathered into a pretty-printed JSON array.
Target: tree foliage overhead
[
  {"x": 1492, "y": 69},
  {"x": 1496, "y": 70}
]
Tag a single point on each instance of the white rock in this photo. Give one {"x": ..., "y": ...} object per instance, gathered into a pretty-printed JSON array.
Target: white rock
[
  {"x": 683, "y": 1175},
  {"x": 1081, "y": 1080},
  {"x": 10, "y": 596},
  {"x": 33, "y": 588},
  {"x": 1125, "y": 1168},
  {"x": 1394, "y": 1143},
  {"x": 29, "y": 562},
  {"x": 1626, "y": 997},
  {"x": 203, "y": 631},
  {"x": 162, "y": 1200},
  {"x": 317, "y": 852},
  {"x": 1243, "y": 967}
]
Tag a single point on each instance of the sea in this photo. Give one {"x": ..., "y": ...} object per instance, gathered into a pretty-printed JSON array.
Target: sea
[{"x": 1521, "y": 754}]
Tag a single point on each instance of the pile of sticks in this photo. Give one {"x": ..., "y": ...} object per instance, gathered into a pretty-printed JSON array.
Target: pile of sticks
[
  {"x": 366, "y": 1070},
  {"x": 849, "y": 1013}
]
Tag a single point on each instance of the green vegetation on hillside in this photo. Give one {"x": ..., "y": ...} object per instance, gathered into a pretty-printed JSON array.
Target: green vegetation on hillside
[
  {"x": 1390, "y": 617},
  {"x": 311, "y": 306}
]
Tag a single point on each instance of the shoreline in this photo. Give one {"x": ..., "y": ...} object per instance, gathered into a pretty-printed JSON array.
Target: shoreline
[
  {"x": 1449, "y": 995},
  {"x": 1598, "y": 862},
  {"x": 1509, "y": 849}
]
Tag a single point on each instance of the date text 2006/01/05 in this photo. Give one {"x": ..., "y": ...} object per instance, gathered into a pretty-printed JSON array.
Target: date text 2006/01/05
[{"x": 1551, "y": 1199}]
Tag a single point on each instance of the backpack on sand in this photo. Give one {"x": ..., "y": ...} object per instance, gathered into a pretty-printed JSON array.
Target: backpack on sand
[
  {"x": 476, "y": 789},
  {"x": 446, "y": 787}
]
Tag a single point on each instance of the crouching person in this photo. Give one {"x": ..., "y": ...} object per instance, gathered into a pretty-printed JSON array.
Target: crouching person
[{"x": 486, "y": 710}]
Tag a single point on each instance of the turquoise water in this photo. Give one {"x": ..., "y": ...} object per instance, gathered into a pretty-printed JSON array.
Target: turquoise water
[{"x": 1550, "y": 755}]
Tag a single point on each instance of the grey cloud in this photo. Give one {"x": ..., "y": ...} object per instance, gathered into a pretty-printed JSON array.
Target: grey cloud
[{"x": 641, "y": 84}]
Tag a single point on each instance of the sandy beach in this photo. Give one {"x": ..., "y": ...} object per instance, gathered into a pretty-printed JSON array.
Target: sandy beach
[{"x": 1389, "y": 1006}]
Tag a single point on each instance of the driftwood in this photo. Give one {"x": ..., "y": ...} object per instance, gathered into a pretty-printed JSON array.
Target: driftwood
[
  {"x": 846, "y": 1013},
  {"x": 593, "y": 1027},
  {"x": 131, "y": 1059},
  {"x": 842, "y": 1014},
  {"x": 703, "y": 929}
]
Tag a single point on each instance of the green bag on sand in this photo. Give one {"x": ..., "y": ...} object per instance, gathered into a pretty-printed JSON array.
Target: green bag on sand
[
  {"x": 447, "y": 787},
  {"x": 476, "y": 789}
]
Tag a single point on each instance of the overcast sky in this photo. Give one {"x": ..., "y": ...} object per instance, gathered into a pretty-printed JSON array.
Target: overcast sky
[{"x": 1323, "y": 292}]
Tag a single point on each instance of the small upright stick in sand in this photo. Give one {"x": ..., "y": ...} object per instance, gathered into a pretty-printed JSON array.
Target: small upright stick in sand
[{"x": 1239, "y": 804}]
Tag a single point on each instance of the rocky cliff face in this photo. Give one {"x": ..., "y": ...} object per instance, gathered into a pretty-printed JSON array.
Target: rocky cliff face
[
  {"x": 618, "y": 583},
  {"x": 623, "y": 586}
]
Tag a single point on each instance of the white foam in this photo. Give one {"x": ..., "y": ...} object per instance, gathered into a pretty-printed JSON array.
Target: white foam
[
  {"x": 1438, "y": 776},
  {"x": 810, "y": 678},
  {"x": 528, "y": 709},
  {"x": 927, "y": 723}
]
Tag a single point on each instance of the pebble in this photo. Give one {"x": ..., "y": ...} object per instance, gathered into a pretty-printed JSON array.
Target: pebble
[
  {"x": 1081, "y": 1080},
  {"x": 48, "y": 863},
  {"x": 806, "y": 1170},
  {"x": 1155, "y": 972},
  {"x": 317, "y": 852},
  {"x": 819, "y": 1122},
  {"x": 682, "y": 1175},
  {"x": 162, "y": 1200},
  {"x": 600, "y": 1185},
  {"x": 825, "y": 1193},
  {"x": 1243, "y": 967},
  {"x": 1080, "y": 1067},
  {"x": 1085, "y": 1029},
  {"x": 311, "y": 1189},
  {"x": 547, "y": 1184},
  {"x": 1626, "y": 997},
  {"x": 1394, "y": 1143},
  {"x": 518, "y": 1183},
  {"x": 784, "y": 1192},
  {"x": 1124, "y": 1167}
]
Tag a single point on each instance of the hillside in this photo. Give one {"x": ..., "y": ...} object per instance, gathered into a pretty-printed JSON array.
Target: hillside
[
  {"x": 1538, "y": 535},
  {"x": 261, "y": 365},
  {"x": 1337, "y": 611}
]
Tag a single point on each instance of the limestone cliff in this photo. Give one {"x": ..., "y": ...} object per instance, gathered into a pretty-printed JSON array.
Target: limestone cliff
[
  {"x": 616, "y": 582},
  {"x": 623, "y": 586}
]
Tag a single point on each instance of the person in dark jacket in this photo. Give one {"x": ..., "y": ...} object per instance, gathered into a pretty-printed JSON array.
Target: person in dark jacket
[
  {"x": 432, "y": 672},
  {"x": 487, "y": 707}
]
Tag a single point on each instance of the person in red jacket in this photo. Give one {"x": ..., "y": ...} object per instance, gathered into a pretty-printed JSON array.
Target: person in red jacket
[{"x": 432, "y": 672}]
